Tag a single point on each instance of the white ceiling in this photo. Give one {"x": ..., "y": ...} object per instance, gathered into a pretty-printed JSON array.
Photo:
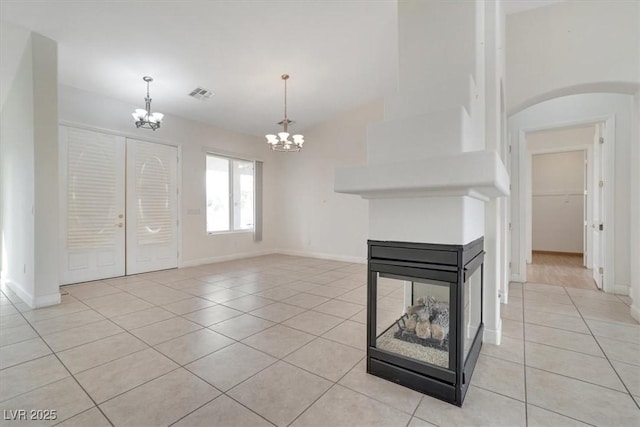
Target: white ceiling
[{"x": 340, "y": 54}]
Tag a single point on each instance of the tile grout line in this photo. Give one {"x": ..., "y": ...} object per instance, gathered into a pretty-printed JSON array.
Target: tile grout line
[
  {"x": 325, "y": 392},
  {"x": 224, "y": 393},
  {"x": 124, "y": 330},
  {"x": 149, "y": 346},
  {"x": 548, "y": 371},
  {"x": 206, "y": 327},
  {"x": 563, "y": 415},
  {"x": 608, "y": 360},
  {"x": 524, "y": 362},
  {"x": 70, "y": 374},
  {"x": 256, "y": 373},
  {"x": 413, "y": 415}
]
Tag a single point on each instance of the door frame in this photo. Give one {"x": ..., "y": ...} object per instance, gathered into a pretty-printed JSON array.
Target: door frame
[
  {"x": 608, "y": 162},
  {"x": 528, "y": 175},
  {"x": 131, "y": 135}
]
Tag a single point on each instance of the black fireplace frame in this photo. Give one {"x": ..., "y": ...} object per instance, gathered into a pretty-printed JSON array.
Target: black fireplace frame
[{"x": 447, "y": 263}]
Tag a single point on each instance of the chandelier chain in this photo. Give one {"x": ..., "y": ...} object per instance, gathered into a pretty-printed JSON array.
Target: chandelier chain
[{"x": 285, "y": 100}]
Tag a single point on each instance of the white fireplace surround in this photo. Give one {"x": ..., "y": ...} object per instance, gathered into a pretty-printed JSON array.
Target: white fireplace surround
[{"x": 477, "y": 174}]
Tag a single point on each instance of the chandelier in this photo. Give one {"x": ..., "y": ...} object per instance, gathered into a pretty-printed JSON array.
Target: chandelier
[
  {"x": 145, "y": 118},
  {"x": 281, "y": 141}
]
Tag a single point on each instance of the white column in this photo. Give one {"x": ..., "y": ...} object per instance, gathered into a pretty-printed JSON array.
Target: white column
[
  {"x": 635, "y": 213},
  {"x": 45, "y": 139},
  {"x": 493, "y": 236}
]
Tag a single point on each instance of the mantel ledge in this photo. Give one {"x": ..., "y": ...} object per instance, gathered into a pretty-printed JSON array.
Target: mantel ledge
[{"x": 477, "y": 174}]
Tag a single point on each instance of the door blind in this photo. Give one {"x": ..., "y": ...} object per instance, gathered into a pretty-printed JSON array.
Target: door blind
[
  {"x": 155, "y": 200},
  {"x": 91, "y": 189}
]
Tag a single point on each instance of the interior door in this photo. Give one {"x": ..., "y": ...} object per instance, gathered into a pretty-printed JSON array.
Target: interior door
[
  {"x": 152, "y": 214},
  {"x": 92, "y": 197},
  {"x": 597, "y": 226}
]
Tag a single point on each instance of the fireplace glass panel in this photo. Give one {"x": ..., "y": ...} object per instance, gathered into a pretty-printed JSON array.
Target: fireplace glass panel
[
  {"x": 472, "y": 310},
  {"x": 413, "y": 318}
]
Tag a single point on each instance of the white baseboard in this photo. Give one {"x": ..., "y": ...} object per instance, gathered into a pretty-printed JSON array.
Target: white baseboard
[
  {"x": 493, "y": 336},
  {"x": 18, "y": 289},
  {"x": 517, "y": 278},
  {"x": 222, "y": 258},
  {"x": 30, "y": 300},
  {"x": 320, "y": 255},
  {"x": 635, "y": 311},
  {"x": 47, "y": 300},
  {"x": 621, "y": 290}
]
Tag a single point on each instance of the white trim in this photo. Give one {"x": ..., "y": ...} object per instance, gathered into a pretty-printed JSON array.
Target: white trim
[
  {"x": 217, "y": 233},
  {"x": 609, "y": 159},
  {"x": 490, "y": 336},
  {"x": 116, "y": 133},
  {"x": 608, "y": 154},
  {"x": 566, "y": 149},
  {"x": 30, "y": 300},
  {"x": 17, "y": 289},
  {"x": 222, "y": 258},
  {"x": 231, "y": 154},
  {"x": 635, "y": 312},
  {"x": 517, "y": 278},
  {"x": 622, "y": 290},
  {"x": 527, "y": 178},
  {"x": 179, "y": 202},
  {"x": 321, "y": 255},
  {"x": 523, "y": 172},
  {"x": 559, "y": 193},
  {"x": 47, "y": 300}
]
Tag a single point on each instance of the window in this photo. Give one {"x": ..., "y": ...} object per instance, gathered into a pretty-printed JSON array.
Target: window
[{"x": 230, "y": 194}]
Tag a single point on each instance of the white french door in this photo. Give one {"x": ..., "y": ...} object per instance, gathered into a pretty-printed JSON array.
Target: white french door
[
  {"x": 118, "y": 206},
  {"x": 152, "y": 213},
  {"x": 92, "y": 187}
]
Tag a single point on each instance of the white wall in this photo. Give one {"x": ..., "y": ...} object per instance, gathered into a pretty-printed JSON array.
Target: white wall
[
  {"x": 17, "y": 161},
  {"x": 29, "y": 170},
  {"x": 558, "y": 201},
  {"x": 195, "y": 139},
  {"x": 13, "y": 41},
  {"x": 573, "y": 44},
  {"x": 317, "y": 220},
  {"x": 572, "y": 110},
  {"x": 635, "y": 212}
]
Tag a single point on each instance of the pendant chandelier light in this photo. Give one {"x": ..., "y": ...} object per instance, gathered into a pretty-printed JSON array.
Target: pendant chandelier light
[
  {"x": 281, "y": 141},
  {"x": 145, "y": 118}
]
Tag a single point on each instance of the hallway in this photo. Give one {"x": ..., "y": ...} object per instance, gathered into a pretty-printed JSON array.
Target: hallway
[{"x": 560, "y": 270}]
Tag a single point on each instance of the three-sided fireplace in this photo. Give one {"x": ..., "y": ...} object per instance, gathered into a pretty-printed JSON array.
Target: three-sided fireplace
[{"x": 424, "y": 315}]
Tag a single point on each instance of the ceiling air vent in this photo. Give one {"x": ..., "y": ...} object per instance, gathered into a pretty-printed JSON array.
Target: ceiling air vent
[{"x": 201, "y": 93}]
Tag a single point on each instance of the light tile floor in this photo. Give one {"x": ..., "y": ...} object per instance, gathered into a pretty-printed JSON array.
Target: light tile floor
[{"x": 280, "y": 340}]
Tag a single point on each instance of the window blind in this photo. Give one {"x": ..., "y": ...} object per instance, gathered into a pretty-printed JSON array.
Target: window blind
[{"x": 91, "y": 189}]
